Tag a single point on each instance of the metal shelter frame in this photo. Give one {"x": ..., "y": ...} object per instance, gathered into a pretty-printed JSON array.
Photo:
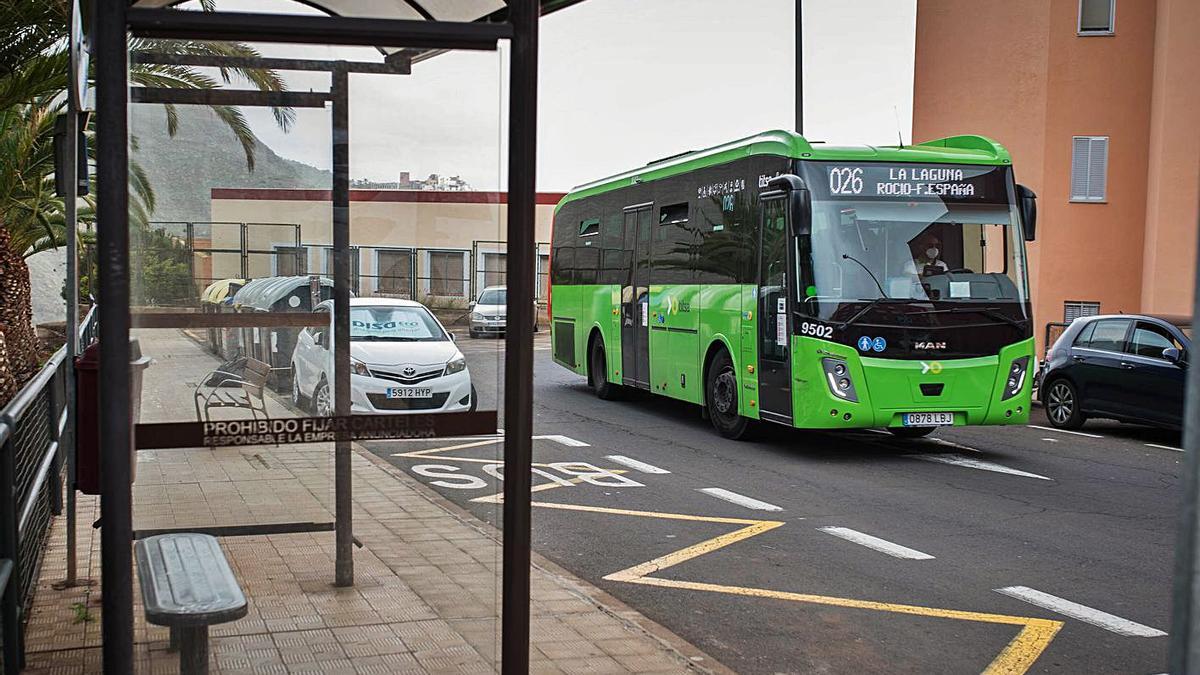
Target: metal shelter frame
[{"x": 113, "y": 22}]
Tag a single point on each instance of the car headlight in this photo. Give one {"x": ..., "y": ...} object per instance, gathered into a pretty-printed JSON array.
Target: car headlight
[
  {"x": 837, "y": 376},
  {"x": 359, "y": 368},
  {"x": 476, "y": 316},
  {"x": 1015, "y": 379},
  {"x": 456, "y": 365}
]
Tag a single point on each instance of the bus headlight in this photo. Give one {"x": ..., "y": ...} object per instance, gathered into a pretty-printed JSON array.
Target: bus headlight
[
  {"x": 837, "y": 376},
  {"x": 1015, "y": 379}
]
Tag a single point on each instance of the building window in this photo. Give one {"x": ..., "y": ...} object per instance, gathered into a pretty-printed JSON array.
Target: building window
[
  {"x": 494, "y": 272},
  {"x": 1073, "y": 309},
  {"x": 446, "y": 276},
  {"x": 1097, "y": 17},
  {"x": 291, "y": 261},
  {"x": 395, "y": 272},
  {"x": 1089, "y": 168}
]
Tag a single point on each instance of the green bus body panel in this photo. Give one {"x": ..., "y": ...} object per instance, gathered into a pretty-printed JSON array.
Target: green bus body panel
[
  {"x": 886, "y": 388},
  {"x": 952, "y": 150}
]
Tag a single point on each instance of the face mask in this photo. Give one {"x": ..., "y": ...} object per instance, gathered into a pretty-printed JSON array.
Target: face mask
[{"x": 931, "y": 253}]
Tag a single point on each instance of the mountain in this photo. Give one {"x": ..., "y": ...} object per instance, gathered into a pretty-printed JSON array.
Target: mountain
[{"x": 202, "y": 155}]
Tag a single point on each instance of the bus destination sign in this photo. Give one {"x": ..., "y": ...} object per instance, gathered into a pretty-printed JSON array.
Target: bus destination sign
[{"x": 951, "y": 183}]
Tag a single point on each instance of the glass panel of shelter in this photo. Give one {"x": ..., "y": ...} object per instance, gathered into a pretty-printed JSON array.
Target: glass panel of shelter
[{"x": 233, "y": 286}]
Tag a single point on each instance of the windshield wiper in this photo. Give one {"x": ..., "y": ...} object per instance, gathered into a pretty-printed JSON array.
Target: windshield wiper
[
  {"x": 871, "y": 305},
  {"x": 882, "y": 293},
  {"x": 991, "y": 312}
]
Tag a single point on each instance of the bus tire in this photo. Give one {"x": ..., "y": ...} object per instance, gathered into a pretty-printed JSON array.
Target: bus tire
[
  {"x": 721, "y": 398},
  {"x": 598, "y": 372},
  {"x": 911, "y": 432}
]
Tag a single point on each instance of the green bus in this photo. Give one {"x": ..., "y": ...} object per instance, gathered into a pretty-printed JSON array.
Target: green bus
[{"x": 773, "y": 279}]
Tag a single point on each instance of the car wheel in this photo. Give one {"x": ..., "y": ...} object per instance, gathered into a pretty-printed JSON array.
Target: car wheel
[
  {"x": 323, "y": 400},
  {"x": 721, "y": 396},
  {"x": 598, "y": 372},
  {"x": 911, "y": 432},
  {"x": 1062, "y": 405},
  {"x": 473, "y": 333},
  {"x": 299, "y": 400}
]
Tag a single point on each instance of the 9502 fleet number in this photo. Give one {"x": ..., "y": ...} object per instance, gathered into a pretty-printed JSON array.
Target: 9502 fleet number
[{"x": 816, "y": 330}]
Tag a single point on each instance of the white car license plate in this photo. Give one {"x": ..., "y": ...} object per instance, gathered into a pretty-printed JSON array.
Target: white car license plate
[
  {"x": 928, "y": 419},
  {"x": 409, "y": 392}
]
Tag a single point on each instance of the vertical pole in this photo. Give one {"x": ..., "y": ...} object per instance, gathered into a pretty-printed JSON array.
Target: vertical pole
[
  {"x": 344, "y": 565},
  {"x": 116, "y": 434},
  {"x": 70, "y": 202},
  {"x": 518, "y": 354},
  {"x": 1185, "y": 629},
  {"x": 10, "y": 601},
  {"x": 800, "y": 67}
]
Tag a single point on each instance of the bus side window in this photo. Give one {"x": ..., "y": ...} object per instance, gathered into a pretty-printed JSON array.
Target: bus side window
[
  {"x": 562, "y": 265},
  {"x": 612, "y": 253}
]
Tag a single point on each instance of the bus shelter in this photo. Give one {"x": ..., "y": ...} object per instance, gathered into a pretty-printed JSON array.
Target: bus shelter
[{"x": 402, "y": 32}]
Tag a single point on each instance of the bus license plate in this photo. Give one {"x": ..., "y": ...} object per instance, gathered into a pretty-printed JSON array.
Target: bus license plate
[
  {"x": 928, "y": 419},
  {"x": 409, "y": 392}
]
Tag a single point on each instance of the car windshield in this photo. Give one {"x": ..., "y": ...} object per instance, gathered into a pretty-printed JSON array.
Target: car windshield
[
  {"x": 952, "y": 252},
  {"x": 493, "y": 296},
  {"x": 394, "y": 324}
]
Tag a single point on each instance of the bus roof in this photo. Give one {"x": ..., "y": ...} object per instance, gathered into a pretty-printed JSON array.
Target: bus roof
[{"x": 952, "y": 150}]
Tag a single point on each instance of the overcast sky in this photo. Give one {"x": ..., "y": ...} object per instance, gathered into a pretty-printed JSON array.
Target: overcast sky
[{"x": 623, "y": 82}]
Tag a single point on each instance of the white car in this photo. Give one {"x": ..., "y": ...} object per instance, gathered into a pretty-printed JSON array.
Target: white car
[
  {"x": 489, "y": 313},
  {"x": 401, "y": 357}
]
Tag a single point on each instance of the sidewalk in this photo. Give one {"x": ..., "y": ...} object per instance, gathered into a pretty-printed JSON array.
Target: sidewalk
[{"x": 427, "y": 580}]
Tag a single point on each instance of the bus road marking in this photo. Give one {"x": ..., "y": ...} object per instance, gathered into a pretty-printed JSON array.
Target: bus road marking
[
  {"x": 1109, "y": 622},
  {"x": 875, "y": 543},
  {"x": 972, "y": 463},
  {"x": 563, "y": 440},
  {"x": 952, "y": 444},
  {"x": 1163, "y": 447},
  {"x": 1064, "y": 431},
  {"x": 740, "y": 500},
  {"x": 636, "y": 464}
]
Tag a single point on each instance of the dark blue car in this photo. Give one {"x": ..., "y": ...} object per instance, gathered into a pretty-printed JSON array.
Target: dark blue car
[{"x": 1124, "y": 367}]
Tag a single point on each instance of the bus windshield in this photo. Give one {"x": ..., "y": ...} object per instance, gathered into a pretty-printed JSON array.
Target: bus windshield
[{"x": 928, "y": 250}]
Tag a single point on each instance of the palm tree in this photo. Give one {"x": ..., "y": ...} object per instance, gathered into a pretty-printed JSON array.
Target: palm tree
[{"x": 34, "y": 65}]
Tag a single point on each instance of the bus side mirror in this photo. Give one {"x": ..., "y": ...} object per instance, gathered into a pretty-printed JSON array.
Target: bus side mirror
[
  {"x": 1027, "y": 203},
  {"x": 799, "y": 199}
]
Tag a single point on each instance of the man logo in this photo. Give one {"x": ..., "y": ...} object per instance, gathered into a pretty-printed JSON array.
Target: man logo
[{"x": 929, "y": 345}]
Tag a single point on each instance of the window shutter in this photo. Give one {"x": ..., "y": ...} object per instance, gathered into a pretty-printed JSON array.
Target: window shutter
[
  {"x": 1098, "y": 170},
  {"x": 1079, "y": 168},
  {"x": 1074, "y": 309}
]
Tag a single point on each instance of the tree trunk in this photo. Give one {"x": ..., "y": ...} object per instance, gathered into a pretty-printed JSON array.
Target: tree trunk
[{"x": 20, "y": 360}]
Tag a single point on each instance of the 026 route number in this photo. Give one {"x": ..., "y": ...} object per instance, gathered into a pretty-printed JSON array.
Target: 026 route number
[
  {"x": 816, "y": 330},
  {"x": 845, "y": 180}
]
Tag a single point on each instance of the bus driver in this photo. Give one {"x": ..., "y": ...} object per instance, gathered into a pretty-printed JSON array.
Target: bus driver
[{"x": 927, "y": 260}]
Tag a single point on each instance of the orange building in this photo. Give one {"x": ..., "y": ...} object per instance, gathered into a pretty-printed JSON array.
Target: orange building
[{"x": 1097, "y": 102}]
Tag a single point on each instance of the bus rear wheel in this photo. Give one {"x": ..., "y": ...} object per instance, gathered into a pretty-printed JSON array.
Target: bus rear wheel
[
  {"x": 598, "y": 372},
  {"x": 721, "y": 396}
]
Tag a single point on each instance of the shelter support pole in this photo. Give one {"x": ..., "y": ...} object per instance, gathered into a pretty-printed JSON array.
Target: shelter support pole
[
  {"x": 518, "y": 354},
  {"x": 70, "y": 202},
  {"x": 1185, "y": 629},
  {"x": 799, "y": 66},
  {"x": 343, "y": 502},
  {"x": 116, "y": 432}
]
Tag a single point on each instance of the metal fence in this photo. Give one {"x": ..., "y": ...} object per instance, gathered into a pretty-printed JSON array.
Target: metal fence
[{"x": 33, "y": 437}]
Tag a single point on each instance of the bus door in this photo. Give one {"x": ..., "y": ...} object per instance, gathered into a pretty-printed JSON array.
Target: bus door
[
  {"x": 774, "y": 311},
  {"x": 635, "y": 298}
]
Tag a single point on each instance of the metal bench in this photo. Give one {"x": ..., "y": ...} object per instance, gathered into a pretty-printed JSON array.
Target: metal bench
[
  {"x": 225, "y": 387},
  {"x": 187, "y": 585}
]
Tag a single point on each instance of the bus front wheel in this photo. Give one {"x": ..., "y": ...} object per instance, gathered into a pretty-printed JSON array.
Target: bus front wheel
[
  {"x": 598, "y": 372},
  {"x": 721, "y": 396}
]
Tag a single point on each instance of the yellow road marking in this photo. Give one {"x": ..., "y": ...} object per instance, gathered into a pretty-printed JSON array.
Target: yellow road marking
[{"x": 1020, "y": 653}]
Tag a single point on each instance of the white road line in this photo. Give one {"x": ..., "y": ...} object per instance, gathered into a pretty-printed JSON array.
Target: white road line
[
  {"x": 1163, "y": 447},
  {"x": 740, "y": 500},
  {"x": 1065, "y": 431},
  {"x": 636, "y": 464},
  {"x": 1083, "y": 613},
  {"x": 1050, "y": 440},
  {"x": 563, "y": 440},
  {"x": 881, "y": 545},
  {"x": 972, "y": 463}
]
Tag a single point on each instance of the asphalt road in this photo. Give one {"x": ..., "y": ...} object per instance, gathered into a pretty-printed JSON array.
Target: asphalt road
[{"x": 1023, "y": 548}]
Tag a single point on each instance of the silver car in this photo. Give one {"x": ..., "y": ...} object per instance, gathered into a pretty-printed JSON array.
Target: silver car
[{"x": 490, "y": 312}]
